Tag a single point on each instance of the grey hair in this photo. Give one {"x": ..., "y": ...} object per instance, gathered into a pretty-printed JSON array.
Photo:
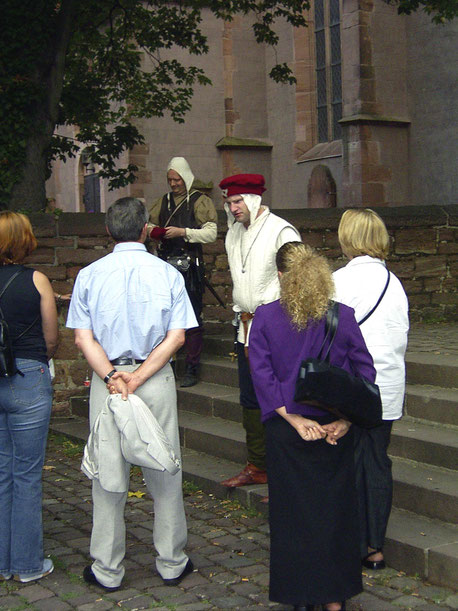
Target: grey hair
[{"x": 125, "y": 219}]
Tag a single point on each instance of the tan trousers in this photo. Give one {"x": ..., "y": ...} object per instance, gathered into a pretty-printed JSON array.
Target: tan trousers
[{"x": 108, "y": 540}]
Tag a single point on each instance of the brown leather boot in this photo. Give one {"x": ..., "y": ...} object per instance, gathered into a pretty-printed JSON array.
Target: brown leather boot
[{"x": 249, "y": 475}]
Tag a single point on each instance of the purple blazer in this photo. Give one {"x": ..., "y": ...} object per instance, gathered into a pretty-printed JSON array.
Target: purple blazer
[{"x": 276, "y": 350}]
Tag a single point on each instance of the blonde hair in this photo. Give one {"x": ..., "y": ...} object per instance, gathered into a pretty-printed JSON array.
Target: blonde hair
[
  {"x": 16, "y": 237},
  {"x": 306, "y": 284},
  {"x": 362, "y": 232}
]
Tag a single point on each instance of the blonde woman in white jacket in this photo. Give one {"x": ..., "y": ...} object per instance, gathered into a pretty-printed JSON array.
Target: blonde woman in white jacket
[{"x": 364, "y": 284}]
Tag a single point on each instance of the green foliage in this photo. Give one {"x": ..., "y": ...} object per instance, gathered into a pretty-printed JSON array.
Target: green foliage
[
  {"x": 190, "y": 488},
  {"x": 441, "y": 10},
  {"x": 114, "y": 73},
  {"x": 66, "y": 446}
]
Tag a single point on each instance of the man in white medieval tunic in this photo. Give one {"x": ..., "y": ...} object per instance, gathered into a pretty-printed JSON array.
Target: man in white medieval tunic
[{"x": 252, "y": 241}]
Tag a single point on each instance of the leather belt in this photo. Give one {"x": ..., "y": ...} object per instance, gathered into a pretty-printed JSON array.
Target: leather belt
[{"x": 125, "y": 360}]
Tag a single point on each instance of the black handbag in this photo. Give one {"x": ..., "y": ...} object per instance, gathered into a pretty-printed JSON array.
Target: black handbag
[{"x": 334, "y": 389}]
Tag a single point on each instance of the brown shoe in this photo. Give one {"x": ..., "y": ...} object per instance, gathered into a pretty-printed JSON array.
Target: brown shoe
[{"x": 249, "y": 475}]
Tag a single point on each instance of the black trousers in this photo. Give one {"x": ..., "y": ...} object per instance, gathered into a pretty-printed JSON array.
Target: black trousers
[
  {"x": 194, "y": 337},
  {"x": 374, "y": 483}
]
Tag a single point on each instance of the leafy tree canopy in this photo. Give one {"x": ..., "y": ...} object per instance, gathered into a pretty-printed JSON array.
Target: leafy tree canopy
[
  {"x": 82, "y": 62},
  {"x": 440, "y": 10}
]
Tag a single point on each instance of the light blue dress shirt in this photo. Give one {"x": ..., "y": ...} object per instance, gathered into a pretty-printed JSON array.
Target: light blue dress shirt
[{"x": 130, "y": 299}]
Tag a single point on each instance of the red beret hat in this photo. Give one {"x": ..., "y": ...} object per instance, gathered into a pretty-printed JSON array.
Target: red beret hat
[{"x": 242, "y": 183}]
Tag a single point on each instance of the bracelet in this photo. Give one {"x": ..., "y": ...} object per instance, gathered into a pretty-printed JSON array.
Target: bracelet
[{"x": 106, "y": 379}]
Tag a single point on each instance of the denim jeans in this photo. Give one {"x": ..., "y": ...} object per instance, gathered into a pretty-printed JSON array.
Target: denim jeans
[{"x": 25, "y": 409}]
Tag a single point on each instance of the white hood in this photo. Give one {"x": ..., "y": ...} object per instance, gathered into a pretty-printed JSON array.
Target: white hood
[
  {"x": 253, "y": 203},
  {"x": 181, "y": 167}
]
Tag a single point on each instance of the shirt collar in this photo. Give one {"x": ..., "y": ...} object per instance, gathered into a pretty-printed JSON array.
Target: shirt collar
[
  {"x": 365, "y": 259},
  {"x": 124, "y": 246}
]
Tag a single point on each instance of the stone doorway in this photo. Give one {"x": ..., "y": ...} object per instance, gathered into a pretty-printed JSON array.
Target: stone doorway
[{"x": 321, "y": 189}]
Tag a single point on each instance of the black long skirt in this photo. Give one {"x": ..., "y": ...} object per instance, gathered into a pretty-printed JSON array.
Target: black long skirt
[{"x": 314, "y": 552}]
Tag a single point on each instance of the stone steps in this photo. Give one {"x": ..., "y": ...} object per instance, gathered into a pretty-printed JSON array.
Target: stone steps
[
  {"x": 425, "y": 443},
  {"x": 426, "y": 489},
  {"x": 432, "y": 369},
  {"x": 432, "y": 403},
  {"x": 421, "y": 538},
  {"x": 413, "y": 439},
  {"x": 421, "y": 367},
  {"x": 414, "y": 544}
]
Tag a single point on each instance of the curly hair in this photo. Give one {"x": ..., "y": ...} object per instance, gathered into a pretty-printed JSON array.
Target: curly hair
[{"x": 306, "y": 284}]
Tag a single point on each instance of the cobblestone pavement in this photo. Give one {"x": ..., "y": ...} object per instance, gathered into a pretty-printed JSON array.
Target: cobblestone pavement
[
  {"x": 434, "y": 338},
  {"x": 228, "y": 545}
]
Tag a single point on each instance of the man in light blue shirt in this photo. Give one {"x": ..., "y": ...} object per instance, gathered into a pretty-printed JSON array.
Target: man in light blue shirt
[{"x": 130, "y": 311}]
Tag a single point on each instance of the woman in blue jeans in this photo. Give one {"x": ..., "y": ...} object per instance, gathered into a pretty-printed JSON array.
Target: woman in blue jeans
[{"x": 28, "y": 306}]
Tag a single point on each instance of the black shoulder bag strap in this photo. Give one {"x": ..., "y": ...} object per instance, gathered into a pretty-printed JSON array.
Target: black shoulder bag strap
[
  {"x": 332, "y": 321},
  {"x": 13, "y": 277},
  {"x": 379, "y": 300}
]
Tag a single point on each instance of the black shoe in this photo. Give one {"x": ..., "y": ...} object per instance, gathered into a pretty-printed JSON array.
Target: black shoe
[
  {"x": 374, "y": 565},
  {"x": 190, "y": 377},
  {"x": 176, "y": 580},
  {"x": 89, "y": 577},
  {"x": 302, "y": 608}
]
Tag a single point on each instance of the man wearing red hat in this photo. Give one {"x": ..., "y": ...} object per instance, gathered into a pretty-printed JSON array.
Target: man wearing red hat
[{"x": 252, "y": 241}]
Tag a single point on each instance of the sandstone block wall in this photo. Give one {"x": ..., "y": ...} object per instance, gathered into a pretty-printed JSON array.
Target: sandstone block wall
[{"x": 424, "y": 257}]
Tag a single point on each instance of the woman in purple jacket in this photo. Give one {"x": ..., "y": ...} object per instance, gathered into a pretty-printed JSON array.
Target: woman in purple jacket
[{"x": 314, "y": 555}]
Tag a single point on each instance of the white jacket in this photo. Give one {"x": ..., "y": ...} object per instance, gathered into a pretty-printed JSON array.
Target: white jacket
[
  {"x": 359, "y": 285},
  {"x": 125, "y": 433},
  {"x": 251, "y": 253}
]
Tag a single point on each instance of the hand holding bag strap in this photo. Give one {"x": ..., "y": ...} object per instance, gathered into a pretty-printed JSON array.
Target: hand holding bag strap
[{"x": 379, "y": 300}]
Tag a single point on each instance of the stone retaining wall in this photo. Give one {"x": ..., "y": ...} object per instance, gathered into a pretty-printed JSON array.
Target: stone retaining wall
[{"x": 424, "y": 256}]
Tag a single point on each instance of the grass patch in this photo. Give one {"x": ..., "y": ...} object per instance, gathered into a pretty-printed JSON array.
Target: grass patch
[
  {"x": 233, "y": 509},
  {"x": 135, "y": 471},
  {"x": 9, "y": 585},
  {"x": 66, "y": 446},
  {"x": 69, "y": 595},
  {"x": 58, "y": 563},
  {"x": 75, "y": 578},
  {"x": 72, "y": 448},
  {"x": 190, "y": 488}
]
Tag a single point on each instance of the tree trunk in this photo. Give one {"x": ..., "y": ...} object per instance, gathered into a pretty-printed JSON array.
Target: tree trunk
[{"x": 30, "y": 192}]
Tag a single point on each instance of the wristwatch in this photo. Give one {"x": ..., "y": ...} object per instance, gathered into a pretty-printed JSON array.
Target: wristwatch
[{"x": 106, "y": 379}]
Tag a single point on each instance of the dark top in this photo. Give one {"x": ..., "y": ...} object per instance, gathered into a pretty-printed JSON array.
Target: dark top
[
  {"x": 21, "y": 307},
  {"x": 276, "y": 350},
  {"x": 183, "y": 217}
]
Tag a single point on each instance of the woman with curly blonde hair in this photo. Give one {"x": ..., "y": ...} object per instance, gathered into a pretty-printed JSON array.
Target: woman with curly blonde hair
[{"x": 314, "y": 553}]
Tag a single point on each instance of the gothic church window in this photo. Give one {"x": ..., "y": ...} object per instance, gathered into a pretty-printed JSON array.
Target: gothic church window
[{"x": 328, "y": 69}]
